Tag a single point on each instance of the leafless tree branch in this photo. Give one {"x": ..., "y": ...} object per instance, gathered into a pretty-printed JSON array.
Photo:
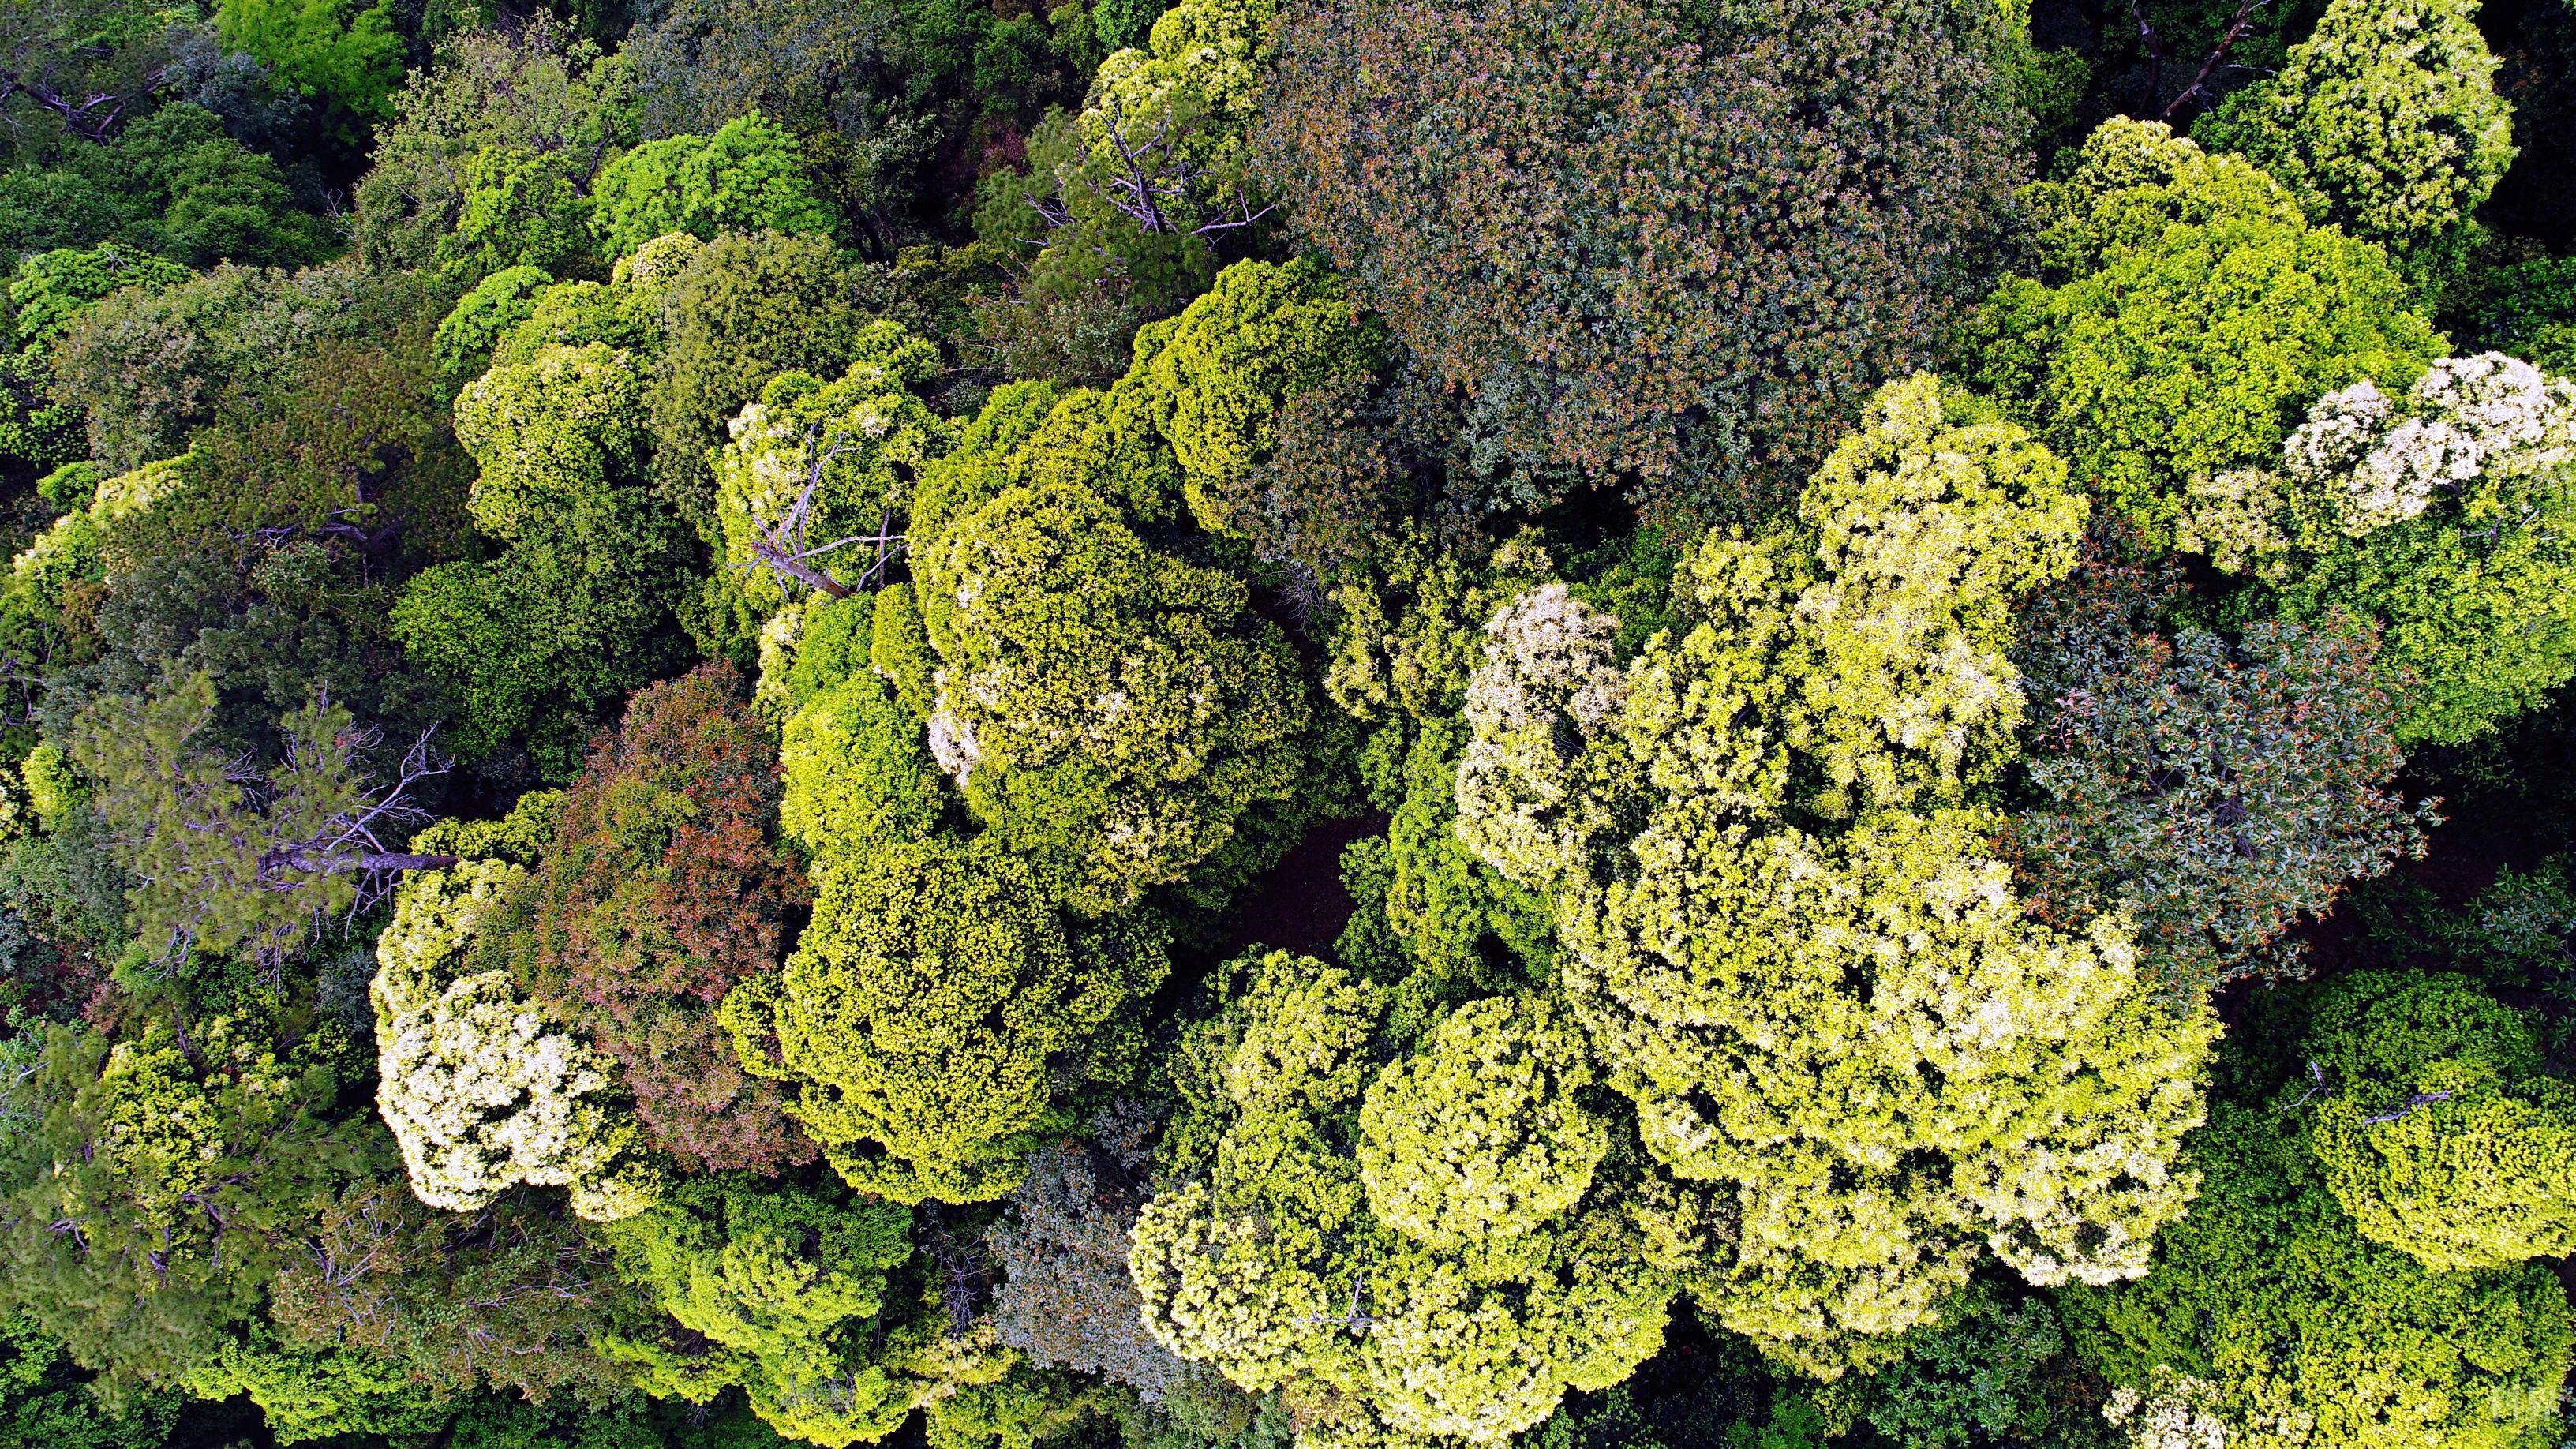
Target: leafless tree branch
[
  {"x": 2246, "y": 10},
  {"x": 2420, "y": 1099},
  {"x": 1151, "y": 176},
  {"x": 92, "y": 116},
  {"x": 354, "y": 840},
  {"x": 782, "y": 548}
]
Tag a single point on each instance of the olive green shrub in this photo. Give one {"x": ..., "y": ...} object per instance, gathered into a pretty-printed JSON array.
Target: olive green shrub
[
  {"x": 1220, "y": 373},
  {"x": 578, "y": 606}
]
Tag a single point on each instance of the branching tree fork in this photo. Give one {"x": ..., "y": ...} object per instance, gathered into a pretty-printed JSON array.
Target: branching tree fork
[
  {"x": 75, "y": 60},
  {"x": 2210, "y": 66},
  {"x": 232, "y": 857},
  {"x": 1148, "y": 178},
  {"x": 783, "y": 549},
  {"x": 90, "y": 115}
]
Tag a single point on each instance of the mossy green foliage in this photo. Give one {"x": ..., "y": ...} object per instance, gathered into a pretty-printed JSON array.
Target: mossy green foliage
[
  {"x": 1109, "y": 708},
  {"x": 171, "y": 182},
  {"x": 2293, "y": 1328},
  {"x": 204, "y": 827},
  {"x": 1474, "y": 1262},
  {"x": 578, "y": 606},
  {"x": 538, "y": 90},
  {"x": 503, "y": 1300},
  {"x": 736, "y": 312},
  {"x": 2385, "y": 122},
  {"x": 304, "y": 1395},
  {"x": 2185, "y": 313},
  {"x": 1481, "y": 1139},
  {"x": 1433, "y": 919},
  {"x": 53, "y": 288},
  {"x": 2526, "y": 308},
  {"x": 336, "y": 51},
  {"x": 781, "y": 1292},
  {"x": 857, "y": 773},
  {"x": 42, "y": 1400},
  {"x": 61, "y": 569},
  {"x": 2440, "y": 1136},
  {"x": 930, "y": 1012},
  {"x": 1796, "y": 809},
  {"x": 492, "y": 308},
  {"x": 185, "y": 1175},
  {"x": 1989, "y": 1370},
  {"x": 626, "y": 312},
  {"x": 522, "y": 208},
  {"x": 138, "y": 361},
  {"x": 1200, "y": 71},
  {"x": 747, "y": 177},
  {"x": 1082, "y": 289}
]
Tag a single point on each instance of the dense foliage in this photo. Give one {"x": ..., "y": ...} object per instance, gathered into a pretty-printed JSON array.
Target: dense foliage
[
  {"x": 1679, "y": 245},
  {"x": 1287, "y": 724}
]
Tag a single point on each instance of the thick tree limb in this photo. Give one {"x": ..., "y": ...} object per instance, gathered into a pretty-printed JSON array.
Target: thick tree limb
[
  {"x": 92, "y": 116},
  {"x": 2236, "y": 28},
  {"x": 352, "y": 841},
  {"x": 2210, "y": 65},
  {"x": 2420, "y": 1099}
]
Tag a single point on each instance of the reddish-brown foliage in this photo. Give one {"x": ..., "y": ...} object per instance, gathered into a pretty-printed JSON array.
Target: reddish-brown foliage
[
  {"x": 1676, "y": 243},
  {"x": 665, "y": 886}
]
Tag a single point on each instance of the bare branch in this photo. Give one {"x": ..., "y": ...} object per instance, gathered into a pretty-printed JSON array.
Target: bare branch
[
  {"x": 352, "y": 841},
  {"x": 1151, "y": 176},
  {"x": 2155, "y": 54},
  {"x": 2317, "y": 1075},
  {"x": 1245, "y": 216},
  {"x": 2244, "y": 21},
  {"x": 91, "y": 116},
  {"x": 2420, "y": 1099},
  {"x": 1051, "y": 211},
  {"x": 782, "y": 548}
]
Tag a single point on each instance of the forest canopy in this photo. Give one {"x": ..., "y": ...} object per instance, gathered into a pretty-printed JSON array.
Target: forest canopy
[{"x": 1288, "y": 724}]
